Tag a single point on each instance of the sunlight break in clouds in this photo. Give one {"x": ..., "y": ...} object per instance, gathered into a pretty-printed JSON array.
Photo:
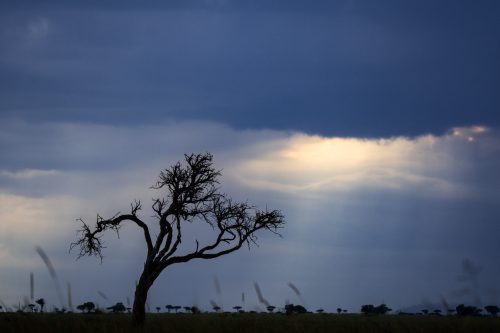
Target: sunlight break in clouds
[{"x": 305, "y": 164}]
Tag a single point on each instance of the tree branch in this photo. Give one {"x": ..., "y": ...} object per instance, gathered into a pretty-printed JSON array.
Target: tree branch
[
  {"x": 236, "y": 227},
  {"x": 90, "y": 242}
]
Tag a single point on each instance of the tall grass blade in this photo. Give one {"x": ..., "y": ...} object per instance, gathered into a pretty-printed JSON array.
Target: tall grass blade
[
  {"x": 32, "y": 286},
  {"x": 103, "y": 295},
  {"x": 297, "y": 292},
  {"x": 52, "y": 272},
  {"x": 259, "y": 294},
  {"x": 70, "y": 300},
  {"x": 217, "y": 285}
]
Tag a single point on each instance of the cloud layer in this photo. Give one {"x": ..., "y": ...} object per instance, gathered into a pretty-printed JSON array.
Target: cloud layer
[{"x": 343, "y": 68}]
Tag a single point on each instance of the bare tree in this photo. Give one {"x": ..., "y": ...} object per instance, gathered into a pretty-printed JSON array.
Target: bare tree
[{"x": 191, "y": 195}]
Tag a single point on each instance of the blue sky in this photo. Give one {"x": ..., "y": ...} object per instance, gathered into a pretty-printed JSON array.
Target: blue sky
[{"x": 374, "y": 126}]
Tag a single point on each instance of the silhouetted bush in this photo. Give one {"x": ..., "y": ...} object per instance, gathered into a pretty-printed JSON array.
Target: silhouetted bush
[
  {"x": 291, "y": 309},
  {"x": 466, "y": 310},
  {"x": 117, "y": 308},
  {"x": 370, "y": 309},
  {"x": 492, "y": 309},
  {"x": 87, "y": 306}
]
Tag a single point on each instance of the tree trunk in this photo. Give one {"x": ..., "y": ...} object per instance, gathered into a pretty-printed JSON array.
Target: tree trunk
[{"x": 141, "y": 295}]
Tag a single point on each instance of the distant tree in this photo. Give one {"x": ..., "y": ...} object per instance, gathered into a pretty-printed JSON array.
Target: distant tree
[
  {"x": 41, "y": 303},
  {"x": 320, "y": 310},
  {"x": 291, "y": 309},
  {"x": 216, "y": 308},
  {"x": 195, "y": 310},
  {"x": 32, "y": 307},
  {"x": 158, "y": 309},
  {"x": 177, "y": 308},
  {"x": 192, "y": 195},
  {"x": 425, "y": 311},
  {"x": 270, "y": 308},
  {"x": 370, "y": 309},
  {"x": 117, "y": 308},
  {"x": 87, "y": 307},
  {"x": 492, "y": 309},
  {"x": 169, "y": 307},
  {"x": 382, "y": 309},
  {"x": 344, "y": 311},
  {"x": 237, "y": 308},
  {"x": 187, "y": 309},
  {"x": 339, "y": 310},
  {"x": 466, "y": 310},
  {"x": 367, "y": 309},
  {"x": 437, "y": 312}
]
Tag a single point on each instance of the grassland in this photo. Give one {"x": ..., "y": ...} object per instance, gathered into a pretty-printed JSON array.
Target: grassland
[{"x": 243, "y": 323}]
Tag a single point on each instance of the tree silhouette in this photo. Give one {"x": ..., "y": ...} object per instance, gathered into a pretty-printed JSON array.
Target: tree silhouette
[
  {"x": 370, "y": 309},
  {"x": 382, "y": 309},
  {"x": 367, "y": 309},
  {"x": 191, "y": 196},
  {"x": 87, "y": 306},
  {"x": 492, "y": 309},
  {"x": 117, "y": 308},
  {"x": 292, "y": 309},
  {"x": 466, "y": 310},
  {"x": 40, "y": 302},
  {"x": 169, "y": 307}
]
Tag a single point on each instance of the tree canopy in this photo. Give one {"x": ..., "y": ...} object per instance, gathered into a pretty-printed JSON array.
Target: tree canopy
[{"x": 190, "y": 195}]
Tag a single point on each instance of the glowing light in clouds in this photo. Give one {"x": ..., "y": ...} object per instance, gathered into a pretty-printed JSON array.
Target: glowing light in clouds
[{"x": 312, "y": 163}]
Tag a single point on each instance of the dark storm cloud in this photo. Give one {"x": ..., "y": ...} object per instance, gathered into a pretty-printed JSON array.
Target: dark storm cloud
[{"x": 350, "y": 68}]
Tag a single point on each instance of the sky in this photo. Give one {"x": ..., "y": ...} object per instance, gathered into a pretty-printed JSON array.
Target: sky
[{"x": 373, "y": 126}]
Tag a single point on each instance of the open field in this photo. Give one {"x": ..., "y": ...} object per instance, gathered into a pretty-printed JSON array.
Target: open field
[{"x": 241, "y": 323}]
